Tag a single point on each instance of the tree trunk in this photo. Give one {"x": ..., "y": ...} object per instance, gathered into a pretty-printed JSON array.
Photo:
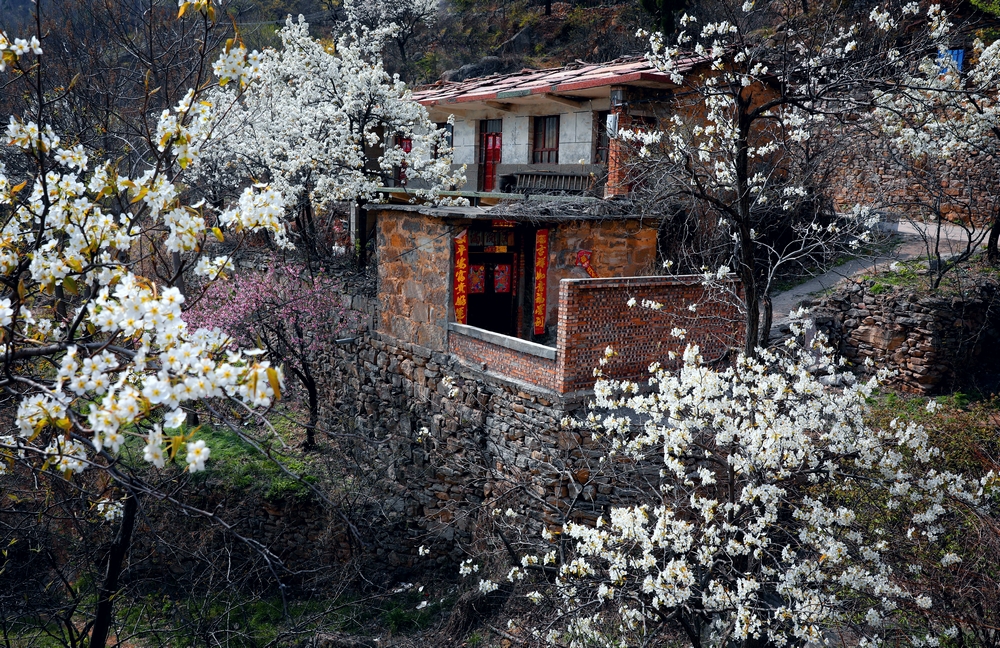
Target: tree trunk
[
  {"x": 116, "y": 557},
  {"x": 177, "y": 281},
  {"x": 765, "y": 324},
  {"x": 360, "y": 235},
  {"x": 991, "y": 244},
  {"x": 310, "y": 385}
]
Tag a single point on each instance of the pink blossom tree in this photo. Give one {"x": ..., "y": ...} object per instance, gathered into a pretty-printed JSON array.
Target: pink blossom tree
[{"x": 288, "y": 311}]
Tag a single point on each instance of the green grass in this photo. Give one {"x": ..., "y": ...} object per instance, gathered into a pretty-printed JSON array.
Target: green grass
[
  {"x": 907, "y": 274},
  {"x": 241, "y": 467}
]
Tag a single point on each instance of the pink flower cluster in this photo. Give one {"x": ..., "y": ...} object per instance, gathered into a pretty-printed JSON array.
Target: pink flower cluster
[{"x": 285, "y": 309}]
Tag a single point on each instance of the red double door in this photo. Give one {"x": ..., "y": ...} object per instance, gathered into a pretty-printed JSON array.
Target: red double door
[{"x": 489, "y": 159}]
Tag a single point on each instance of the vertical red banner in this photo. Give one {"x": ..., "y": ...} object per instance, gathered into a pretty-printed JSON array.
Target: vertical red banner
[
  {"x": 461, "y": 286},
  {"x": 541, "y": 273}
]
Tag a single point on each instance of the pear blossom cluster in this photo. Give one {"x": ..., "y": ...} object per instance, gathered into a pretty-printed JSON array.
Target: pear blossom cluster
[
  {"x": 95, "y": 352},
  {"x": 751, "y": 530},
  {"x": 311, "y": 119},
  {"x": 939, "y": 111}
]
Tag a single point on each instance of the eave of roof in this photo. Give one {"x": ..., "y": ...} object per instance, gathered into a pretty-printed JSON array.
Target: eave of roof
[{"x": 505, "y": 87}]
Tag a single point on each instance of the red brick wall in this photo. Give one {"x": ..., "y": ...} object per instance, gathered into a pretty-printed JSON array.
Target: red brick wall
[
  {"x": 513, "y": 364},
  {"x": 594, "y": 314}
]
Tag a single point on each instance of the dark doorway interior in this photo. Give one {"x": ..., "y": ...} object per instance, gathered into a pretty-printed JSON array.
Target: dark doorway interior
[{"x": 494, "y": 260}]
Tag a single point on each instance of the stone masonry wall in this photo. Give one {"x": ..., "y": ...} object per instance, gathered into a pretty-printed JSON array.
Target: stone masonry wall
[
  {"x": 414, "y": 281},
  {"x": 864, "y": 170},
  {"x": 934, "y": 343},
  {"x": 621, "y": 248},
  {"x": 436, "y": 460}
]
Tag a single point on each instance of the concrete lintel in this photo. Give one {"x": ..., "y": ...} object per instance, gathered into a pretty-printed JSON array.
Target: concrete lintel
[
  {"x": 566, "y": 101},
  {"x": 506, "y": 341}
]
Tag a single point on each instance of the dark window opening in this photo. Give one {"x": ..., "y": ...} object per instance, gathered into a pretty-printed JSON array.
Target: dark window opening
[
  {"x": 449, "y": 136},
  {"x": 545, "y": 145},
  {"x": 602, "y": 142}
]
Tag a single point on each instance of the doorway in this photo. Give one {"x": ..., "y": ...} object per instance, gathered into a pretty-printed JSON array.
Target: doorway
[
  {"x": 493, "y": 288},
  {"x": 490, "y": 149}
]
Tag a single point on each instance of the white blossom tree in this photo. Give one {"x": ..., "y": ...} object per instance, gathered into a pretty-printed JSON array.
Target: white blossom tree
[
  {"x": 409, "y": 17},
  {"x": 764, "y": 511},
  {"x": 323, "y": 126},
  {"x": 759, "y": 79},
  {"x": 97, "y": 360},
  {"x": 943, "y": 124}
]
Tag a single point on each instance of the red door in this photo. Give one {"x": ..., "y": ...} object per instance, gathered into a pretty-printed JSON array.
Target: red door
[{"x": 490, "y": 159}]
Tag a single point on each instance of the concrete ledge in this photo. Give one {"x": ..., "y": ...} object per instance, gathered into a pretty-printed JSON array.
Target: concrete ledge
[{"x": 505, "y": 341}]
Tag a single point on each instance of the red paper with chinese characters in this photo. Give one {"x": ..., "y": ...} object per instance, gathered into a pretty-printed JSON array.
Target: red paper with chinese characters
[
  {"x": 461, "y": 285},
  {"x": 541, "y": 273}
]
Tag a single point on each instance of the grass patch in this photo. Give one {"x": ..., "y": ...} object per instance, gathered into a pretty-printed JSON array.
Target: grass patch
[{"x": 241, "y": 467}]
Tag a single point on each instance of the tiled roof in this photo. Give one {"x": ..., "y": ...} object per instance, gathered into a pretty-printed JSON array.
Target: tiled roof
[{"x": 578, "y": 76}]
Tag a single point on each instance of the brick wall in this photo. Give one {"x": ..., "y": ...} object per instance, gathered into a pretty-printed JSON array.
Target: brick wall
[
  {"x": 594, "y": 314},
  {"x": 510, "y": 363}
]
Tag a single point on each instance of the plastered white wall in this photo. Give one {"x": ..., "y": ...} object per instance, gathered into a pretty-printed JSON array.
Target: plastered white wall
[
  {"x": 576, "y": 134},
  {"x": 464, "y": 141},
  {"x": 515, "y": 139}
]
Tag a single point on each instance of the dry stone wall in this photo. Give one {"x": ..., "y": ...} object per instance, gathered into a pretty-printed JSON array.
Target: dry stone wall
[
  {"x": 933, "y": 343},
  {"x": 444, "y": 442}
]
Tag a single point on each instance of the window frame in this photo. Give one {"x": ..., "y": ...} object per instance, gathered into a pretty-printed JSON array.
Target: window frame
[{"x": 543, "y": 149}]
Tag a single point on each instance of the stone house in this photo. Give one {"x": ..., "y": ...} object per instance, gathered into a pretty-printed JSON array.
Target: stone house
[
  {"x": 544, "y": 131},
  {"x": 537, "y": 294}
]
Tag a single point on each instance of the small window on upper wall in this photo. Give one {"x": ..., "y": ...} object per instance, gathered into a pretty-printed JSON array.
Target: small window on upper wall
[
  {"x": 601, "y": 140},
  {"x": 545, "y": 144}
]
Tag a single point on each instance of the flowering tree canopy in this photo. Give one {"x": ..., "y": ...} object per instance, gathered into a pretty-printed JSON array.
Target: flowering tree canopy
[
  {"x": 321, "y": 125},
  {"x": 287, "y": 310},
  {"x": 407, "y": 15},
  {"x": 757, "y": 527},
  {"x": 93, "y": 351},
  {"x": 740, "y": 150},
  {"x": 944, "y": 122}
]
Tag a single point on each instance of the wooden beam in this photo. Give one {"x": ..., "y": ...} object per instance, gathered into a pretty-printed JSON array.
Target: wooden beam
[
  {"x": 504, "y": 107},
  {"x": 566, "y": 101}
]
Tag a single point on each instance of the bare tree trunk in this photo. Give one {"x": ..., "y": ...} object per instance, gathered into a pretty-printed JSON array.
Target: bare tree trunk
[
  {"x": 991, "y": 244},
  {"x": 360, "y": 235},
  {"x": 177, "y": 281},
  {"x": 765, "y": 324},
  {"x": 116, "y": 557}
]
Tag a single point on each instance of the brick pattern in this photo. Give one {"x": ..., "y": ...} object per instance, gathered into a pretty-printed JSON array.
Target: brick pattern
[
  {"x": 509, "y": 363},
  {"x": 594, "y": 314}
]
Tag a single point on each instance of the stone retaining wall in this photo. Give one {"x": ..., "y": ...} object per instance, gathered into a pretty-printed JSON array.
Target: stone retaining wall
[
  {"x": 934, "y": 343},
  {"x": 438, "y": 456}
]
